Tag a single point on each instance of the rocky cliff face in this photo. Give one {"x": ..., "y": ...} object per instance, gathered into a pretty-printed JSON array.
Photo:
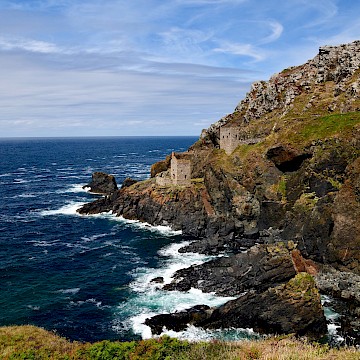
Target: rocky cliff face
[{"x": 295, "y": 176}]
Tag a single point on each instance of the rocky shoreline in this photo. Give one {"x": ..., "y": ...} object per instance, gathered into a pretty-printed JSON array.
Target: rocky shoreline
[{"x": 281, "y": 206}]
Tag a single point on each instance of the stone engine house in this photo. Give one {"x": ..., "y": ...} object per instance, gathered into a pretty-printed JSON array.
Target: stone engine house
[
  {"x": 179, "y": 173},
  {"x": 181, "y": 169},
  {"x": 229, "y": 138}
]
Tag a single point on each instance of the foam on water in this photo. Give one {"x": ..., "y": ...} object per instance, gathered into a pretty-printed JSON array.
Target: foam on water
[
  {"x": 161, "y": 229},
  {"x": 193, "y": 333},
  {"x": 332, "y": 319},
  {"x": 69, "y": 209},
  {"x": 174, "y": 262},
  {"x": 155, "y": 301},
  {"x": 69, "y": 291},
  {"x": 149, "y": 299},
  {"x": 74, "y": 188}
]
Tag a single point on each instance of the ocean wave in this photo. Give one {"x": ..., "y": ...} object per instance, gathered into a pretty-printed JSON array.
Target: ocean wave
[
  {"x": 193, "y": 333},
  {"x": 69, "y": 209},
  {"x": 176, "y": 261},
  {"x": 24, "y": 195},
  {"x": 44, "y": 243},
  {"x": 93, "y": 237},
  {"x": 155, "y": 302},
  {"x": 74, "y": 188},
  {"x": 20, "y": 181},
  {"x": 332, "y": 318},
  {"x": 160, "y": 229},
  {"x": 92, "y": 301},
  {"x": 148, "y": 297},
  {"x": 69, "y": 291}
]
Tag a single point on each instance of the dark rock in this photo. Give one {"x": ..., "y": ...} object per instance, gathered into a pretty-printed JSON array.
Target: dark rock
[
  {"x": 158, "y": 280},
  {"x": 102, "y": 183},
  {"x": 285, "y": 159},
  {"x": 294, "y": 307},
  {"x": 128, "y": 182},
  {"x": 179, "y": 320},
  {"x": 263, "y": 266}
]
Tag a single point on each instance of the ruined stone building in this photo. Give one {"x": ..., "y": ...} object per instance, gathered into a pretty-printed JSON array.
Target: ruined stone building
[
  {"x": 179, "y": 173},
  {"x": 229, "y": 138}
]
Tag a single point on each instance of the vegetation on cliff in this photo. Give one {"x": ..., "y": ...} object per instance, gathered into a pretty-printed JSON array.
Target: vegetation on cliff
[{"x": 29, "y": 342}]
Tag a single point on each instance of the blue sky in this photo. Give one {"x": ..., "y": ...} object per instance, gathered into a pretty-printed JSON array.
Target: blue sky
[{"x": 150, "y": 67}]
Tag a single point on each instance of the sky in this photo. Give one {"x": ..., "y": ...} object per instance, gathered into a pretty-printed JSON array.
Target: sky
[{"x": 150, "y": 67}]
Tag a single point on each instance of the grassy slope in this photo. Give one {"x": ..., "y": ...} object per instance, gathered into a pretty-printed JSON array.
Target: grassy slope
[{"x": 29, "y": 342}]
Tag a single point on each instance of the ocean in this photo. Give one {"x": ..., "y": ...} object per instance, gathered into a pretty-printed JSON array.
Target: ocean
[{"x": 86, "y": 277}]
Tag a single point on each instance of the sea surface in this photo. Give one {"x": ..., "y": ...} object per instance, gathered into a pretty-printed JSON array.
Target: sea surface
[{"x": 86, "y": 277}]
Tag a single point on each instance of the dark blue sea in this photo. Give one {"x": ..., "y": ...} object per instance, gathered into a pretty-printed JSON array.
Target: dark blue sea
[{"x": 86, "y": 277}]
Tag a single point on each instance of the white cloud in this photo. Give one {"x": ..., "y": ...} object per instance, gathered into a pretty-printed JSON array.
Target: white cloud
[
  {"x": 276, "y": 31},
  {"x": 29, "y": 45},
  {"x": 242, "y": 50}
]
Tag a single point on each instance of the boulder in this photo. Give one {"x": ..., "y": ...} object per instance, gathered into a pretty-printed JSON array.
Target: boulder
[
  {"x": 128, "y": 182},
  {"x": 102, "y": 183},
  {"x": 178, "y": 321}
]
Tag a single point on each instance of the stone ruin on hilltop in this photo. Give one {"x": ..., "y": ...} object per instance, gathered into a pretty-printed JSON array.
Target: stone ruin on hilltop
[{"x": 179, "y": 172}]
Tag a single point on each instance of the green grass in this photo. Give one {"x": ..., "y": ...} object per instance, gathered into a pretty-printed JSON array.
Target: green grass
[
  {"x": 32, "y": 343},
  {"x": 330, "y": 125}
]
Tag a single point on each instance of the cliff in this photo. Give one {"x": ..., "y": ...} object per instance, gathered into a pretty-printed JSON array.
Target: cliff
[{"x": 294, "y": 176}]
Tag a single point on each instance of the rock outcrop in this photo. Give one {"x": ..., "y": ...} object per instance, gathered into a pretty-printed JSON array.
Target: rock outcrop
[
  {"x": 261, "y": 267},
  {"x": 102, "y": 183}
]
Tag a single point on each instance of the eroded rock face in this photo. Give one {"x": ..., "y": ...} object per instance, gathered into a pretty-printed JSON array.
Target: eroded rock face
[
  {"x": 102, "y": 183},
  {"x": 261, "y": 267},
  {"x": 294, "y": 307}
]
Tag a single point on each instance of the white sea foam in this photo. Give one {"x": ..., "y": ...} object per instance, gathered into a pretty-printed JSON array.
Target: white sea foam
[
  {"x": 153, "y": 302},
  {"x": 332, "y": 319},
  {"x": 192, "y": 333},
  {"x": 149, "y": 299},
  {"x": 175, "y": 262},
  {"x": 20, "y": 181},
  {"x": 69, "y": 209},
  {"x": 161, "y": 229},
  {"x": 93, "y": 237},
  {"x": 44, "y": 243},
  {"x": 27, "y": 195},
  {"x": 74, "y": 188},
  {"x": 69, "y": 291}
]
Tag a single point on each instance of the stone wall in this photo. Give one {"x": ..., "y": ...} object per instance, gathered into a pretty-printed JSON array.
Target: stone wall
[{"x": 163, "y": 179}]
